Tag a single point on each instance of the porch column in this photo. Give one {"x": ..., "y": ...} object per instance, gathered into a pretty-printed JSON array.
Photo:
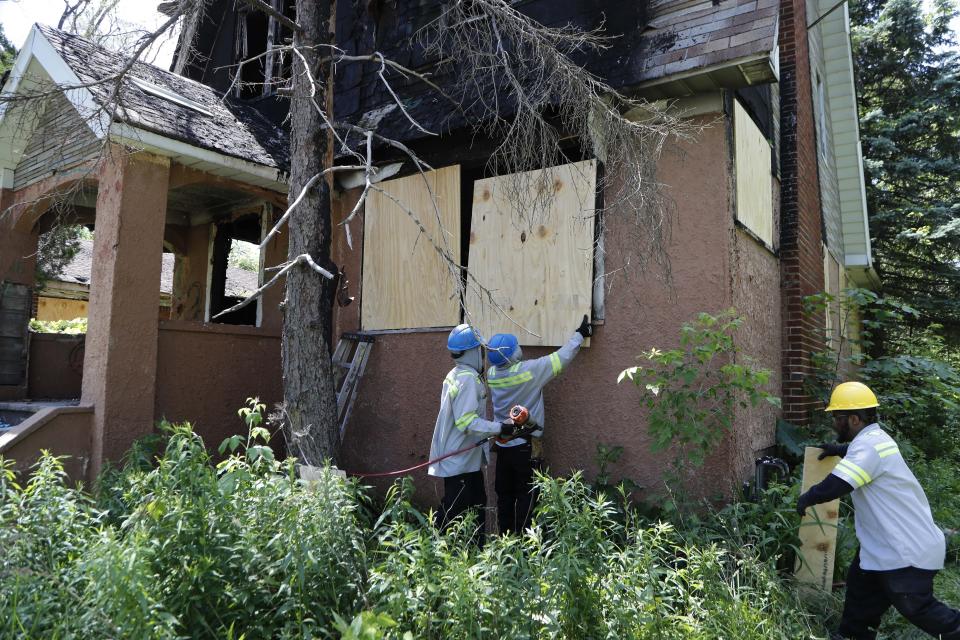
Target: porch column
[{"x": 120, "y": 364}]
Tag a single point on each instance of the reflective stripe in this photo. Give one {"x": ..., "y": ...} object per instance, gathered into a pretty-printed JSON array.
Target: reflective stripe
[
  {"x": 465, "y": 420},
  {"x": 555, "y": 363},
  {"x": 453, "y": 389},
  {"x": 511, "y": 381},
  {"x": 492, "y": 372},
  {"x": 858, "y": 475},
  {"x": 515, "y": 368},
  {"x": 887, "y": 449}
]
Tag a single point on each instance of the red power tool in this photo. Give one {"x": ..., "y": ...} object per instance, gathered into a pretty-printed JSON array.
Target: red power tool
[{"x": 519, "y": 415}]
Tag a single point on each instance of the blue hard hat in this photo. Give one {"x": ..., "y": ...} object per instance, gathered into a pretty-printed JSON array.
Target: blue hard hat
[
  {"x": 462, "y": 338},
  {"x": 501, "y": 347}
]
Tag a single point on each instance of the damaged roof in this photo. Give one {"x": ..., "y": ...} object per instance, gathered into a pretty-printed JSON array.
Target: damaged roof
[
  {"x": 173, "y": 106},
  {"x": 664, "y": 48}
]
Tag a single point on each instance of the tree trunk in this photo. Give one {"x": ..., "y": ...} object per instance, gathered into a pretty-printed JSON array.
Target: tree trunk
[{"x": 308, "y": 390}]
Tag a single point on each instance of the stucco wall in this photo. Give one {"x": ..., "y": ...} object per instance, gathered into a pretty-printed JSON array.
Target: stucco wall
[
  {"x": 206, "y": 372},
  {"x": 398, "y": 398},
  {"x": 755, "y": 279},
  {"x": 63, "y": 431},
  {"x": 56, "y": 366}
]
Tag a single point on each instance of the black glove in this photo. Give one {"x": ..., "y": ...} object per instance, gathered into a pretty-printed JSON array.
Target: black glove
[
  {"x": 585, "y": 329},
  {"x": 832, "y": 449},
  {"x": 507, "y": 429},
  {"x": 802, "y": 503}
]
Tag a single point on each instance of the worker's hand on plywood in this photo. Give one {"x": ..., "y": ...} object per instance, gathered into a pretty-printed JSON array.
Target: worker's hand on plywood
[
  {"x": 832, "y": 449},
  {"x": 585, "y": 329}
]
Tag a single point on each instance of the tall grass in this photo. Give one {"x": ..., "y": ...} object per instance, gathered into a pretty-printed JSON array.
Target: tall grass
[{"x": 184, "y": 548}]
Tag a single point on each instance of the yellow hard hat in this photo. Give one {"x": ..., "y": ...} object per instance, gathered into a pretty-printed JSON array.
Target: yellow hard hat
[{"x": 850, "y": 396}]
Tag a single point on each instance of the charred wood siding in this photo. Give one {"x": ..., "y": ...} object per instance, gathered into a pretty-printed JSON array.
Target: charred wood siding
[{"x": 61, "y": 140}]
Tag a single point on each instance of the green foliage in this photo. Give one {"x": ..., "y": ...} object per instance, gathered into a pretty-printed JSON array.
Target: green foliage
[
  {"x": 242, "y": 549},
  {"x": 7, "y": 52},
  {"x": 918, "y": 390},
  {"x": 75, "y": 326},
  {"x": 908, "y": 90},
  {"x": 692, "y": 392},
  {"x": 244, "y": 255},
  {"x": 588, "y": 568},
  {"x": 198, "y": 551}
]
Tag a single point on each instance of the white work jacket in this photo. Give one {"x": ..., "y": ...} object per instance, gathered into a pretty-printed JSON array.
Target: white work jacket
[
  {"x": 892, "y": 515},
  {"x": 523, "y": 382},
  {"x": 459, "y": 424}
]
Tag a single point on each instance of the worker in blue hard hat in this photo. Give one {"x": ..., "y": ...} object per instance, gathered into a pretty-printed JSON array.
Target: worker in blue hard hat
[
  {"x": 901, "y": 549},
  {"x": 514, "y": 381},
  {"x": 460, "y": 424}
]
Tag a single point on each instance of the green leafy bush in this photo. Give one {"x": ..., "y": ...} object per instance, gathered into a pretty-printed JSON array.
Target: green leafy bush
[
  {"x": 75, "y": 326},
  {"x": 692, "y": 392},
  {"x": 199, "y": 551},
  {"x": 183, "y": 547}
]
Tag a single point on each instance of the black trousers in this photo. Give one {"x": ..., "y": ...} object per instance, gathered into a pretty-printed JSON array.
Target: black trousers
[
  {"x": 514, "y": 485},
  {"x": 463, "y": 492},
  {"x": 909, "y": 590}
]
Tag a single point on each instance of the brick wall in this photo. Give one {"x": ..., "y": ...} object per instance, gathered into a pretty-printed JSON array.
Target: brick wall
[{"x": 801, "y": 219}]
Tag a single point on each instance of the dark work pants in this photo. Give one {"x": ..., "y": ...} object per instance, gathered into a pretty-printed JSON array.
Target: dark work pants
[
  {"x": 909, "y": 590},
  {"x": 514, "y": 484},
  {"x": 463, "y": 492}
]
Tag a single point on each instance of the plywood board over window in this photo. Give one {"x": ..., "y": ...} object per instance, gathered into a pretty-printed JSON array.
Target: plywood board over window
[
  {"x": 754, "y": 179},
  {"x": 540, "y": 271},
  {"x": 406, "y": 283}
]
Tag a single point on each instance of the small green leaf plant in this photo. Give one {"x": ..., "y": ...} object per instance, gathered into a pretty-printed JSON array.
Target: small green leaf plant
[
  {"x": 250, "y": 456},
  {"x": 692, "y": 393}
]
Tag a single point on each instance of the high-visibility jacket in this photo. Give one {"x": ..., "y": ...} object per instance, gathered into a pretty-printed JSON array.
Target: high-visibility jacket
[
  {"x": 891, "y": 512},
  {"x": 460, "y": 423},
  {"x": 522, "y": 383}
]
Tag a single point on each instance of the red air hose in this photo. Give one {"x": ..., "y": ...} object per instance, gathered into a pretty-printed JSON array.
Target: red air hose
[{"x": 418, "y": 466}]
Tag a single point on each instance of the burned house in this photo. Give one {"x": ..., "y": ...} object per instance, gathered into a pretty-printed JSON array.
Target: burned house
[{"x": 766, "y": 199}]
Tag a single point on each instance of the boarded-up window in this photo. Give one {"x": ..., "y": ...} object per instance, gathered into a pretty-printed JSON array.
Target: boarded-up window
[
  {"x": 754, "y": 182},
  {"x": 15, "y": 302},
  {"x": 406, "y": 283},
  {"x": 540, "y": 274}
]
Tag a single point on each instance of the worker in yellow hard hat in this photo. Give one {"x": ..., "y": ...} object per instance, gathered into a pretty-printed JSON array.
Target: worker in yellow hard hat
[{"x": 901, "y": 549}]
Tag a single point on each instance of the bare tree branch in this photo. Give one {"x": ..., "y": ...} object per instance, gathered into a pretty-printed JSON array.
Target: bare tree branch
[{"x": 263, "y": 7}]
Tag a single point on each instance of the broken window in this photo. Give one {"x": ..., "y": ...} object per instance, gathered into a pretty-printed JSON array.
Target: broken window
[
  {"x": 257, "y": 38},
  {"x": 539, "y": 272},
  {"x": 754, "y": 180},
  {"x": 235, "y": 271}
]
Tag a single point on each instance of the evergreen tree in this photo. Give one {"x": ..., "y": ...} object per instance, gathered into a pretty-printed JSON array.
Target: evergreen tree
[
  {"x": 7, "y": 52},
  {"x": 908, "y": 81}
]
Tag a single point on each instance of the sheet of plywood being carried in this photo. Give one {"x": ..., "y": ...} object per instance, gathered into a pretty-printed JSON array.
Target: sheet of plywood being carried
[
  {"x": 406, "y": 283},
  {"x": 540, "y": 270},
  {"x": 818, "y": 529}
]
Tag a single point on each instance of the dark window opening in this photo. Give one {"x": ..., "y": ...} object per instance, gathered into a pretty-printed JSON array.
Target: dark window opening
[
  {"x": 231, "y": 281},
  {"x": 251, "y": 42},
  {"x": 258, "y": 34}
]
